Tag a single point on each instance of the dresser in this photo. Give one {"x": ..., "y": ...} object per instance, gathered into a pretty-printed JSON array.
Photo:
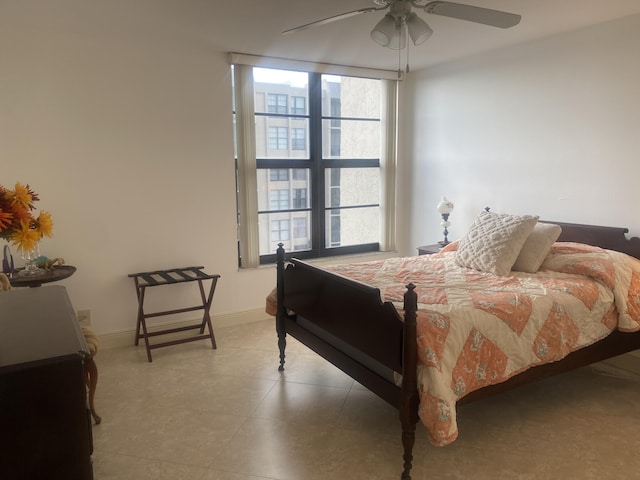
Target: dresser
[{"x": 45, "y": 427}]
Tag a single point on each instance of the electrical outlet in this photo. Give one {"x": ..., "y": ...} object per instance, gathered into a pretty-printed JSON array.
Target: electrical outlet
[{"x": 84, "y": 317}]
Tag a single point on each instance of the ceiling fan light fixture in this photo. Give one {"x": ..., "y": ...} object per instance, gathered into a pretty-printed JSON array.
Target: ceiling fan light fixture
[
  {"x": 384, "y": 31},
  {"x": 399, "y": 38},
  {"x": 418, "y": 29}
]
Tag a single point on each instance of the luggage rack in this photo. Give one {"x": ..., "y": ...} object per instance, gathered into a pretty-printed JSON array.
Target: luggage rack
[{"x": 170, "y": 277}]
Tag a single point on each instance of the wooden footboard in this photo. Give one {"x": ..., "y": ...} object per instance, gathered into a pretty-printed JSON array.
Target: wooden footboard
[
  {"x": 353, "y": 313},
  {"x": 347, "y": 309}
]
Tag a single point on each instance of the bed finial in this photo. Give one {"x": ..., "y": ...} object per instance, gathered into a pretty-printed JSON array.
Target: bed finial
[{"x": 411, "y": 299}]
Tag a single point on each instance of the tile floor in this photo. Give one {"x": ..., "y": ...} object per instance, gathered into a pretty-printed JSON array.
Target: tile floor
[{"x": 227, "y": 414}]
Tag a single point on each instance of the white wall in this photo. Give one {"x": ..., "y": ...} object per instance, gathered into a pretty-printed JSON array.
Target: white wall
[
  {"x": 127, "y": 138},
  {"x": 550, "y": 127},
  {"x": 122, "y": 124}
]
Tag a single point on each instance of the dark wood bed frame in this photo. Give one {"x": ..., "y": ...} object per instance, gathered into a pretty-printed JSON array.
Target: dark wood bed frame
[{"x": 345, "y": 308}]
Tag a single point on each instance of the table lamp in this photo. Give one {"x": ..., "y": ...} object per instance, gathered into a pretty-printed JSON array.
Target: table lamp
[{"x": 445, "y": 207}]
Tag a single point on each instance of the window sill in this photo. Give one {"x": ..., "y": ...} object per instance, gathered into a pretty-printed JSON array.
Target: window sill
[{"x": 337, "y": 260}]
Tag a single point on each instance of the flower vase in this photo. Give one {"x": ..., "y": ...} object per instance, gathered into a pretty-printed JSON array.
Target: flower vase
[{"x": 30, "y": 258}]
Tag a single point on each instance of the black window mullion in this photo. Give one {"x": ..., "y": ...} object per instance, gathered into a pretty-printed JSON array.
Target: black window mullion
[
  {"x": 352, "y": 163},
  {"x": 281, "y": 163},
  {"x": 317, "y": 176}
]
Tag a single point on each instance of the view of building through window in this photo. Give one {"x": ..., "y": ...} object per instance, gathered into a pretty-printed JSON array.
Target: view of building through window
[{"x": 318, "y": 140}]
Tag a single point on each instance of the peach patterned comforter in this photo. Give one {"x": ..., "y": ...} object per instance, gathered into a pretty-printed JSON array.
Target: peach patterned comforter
[{"x": 477, "y": 329}]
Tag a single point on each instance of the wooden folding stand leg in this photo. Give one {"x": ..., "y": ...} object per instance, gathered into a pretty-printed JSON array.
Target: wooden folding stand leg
[{"x": 170, "y": 277}]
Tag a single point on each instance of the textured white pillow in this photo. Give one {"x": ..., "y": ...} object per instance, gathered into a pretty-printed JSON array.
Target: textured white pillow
[
  {"x": 537, "y": 247},
  {"x": 494, "y": 241}
]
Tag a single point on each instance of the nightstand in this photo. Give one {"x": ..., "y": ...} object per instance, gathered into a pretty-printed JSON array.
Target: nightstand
[{"x": 429, "y": 249}]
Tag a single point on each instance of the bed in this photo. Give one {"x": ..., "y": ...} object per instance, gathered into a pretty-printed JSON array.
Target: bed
[{"x": 328, "y": 309}]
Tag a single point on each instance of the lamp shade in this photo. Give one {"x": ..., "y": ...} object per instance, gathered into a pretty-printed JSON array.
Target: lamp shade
[
  {"x": 384, "y": 30},
  {"x": 399, "y": 39},
  {"x": 445, "y": 206},
  {"x": 418, "y": 29}
]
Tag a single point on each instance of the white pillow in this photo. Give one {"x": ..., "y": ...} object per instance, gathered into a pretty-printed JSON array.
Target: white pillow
[
  {"x": 537, "y": 247},
  {"x": 494, "y": 241}
]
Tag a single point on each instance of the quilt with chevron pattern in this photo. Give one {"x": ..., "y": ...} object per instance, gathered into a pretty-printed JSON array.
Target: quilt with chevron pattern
[{"x": 476, "y": 329}]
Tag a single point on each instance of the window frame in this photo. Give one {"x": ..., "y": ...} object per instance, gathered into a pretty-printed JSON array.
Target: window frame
[{"x": 247, "y": 164}]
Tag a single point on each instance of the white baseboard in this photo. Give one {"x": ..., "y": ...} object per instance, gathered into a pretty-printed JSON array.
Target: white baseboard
[{"x": 126, "y": 338}]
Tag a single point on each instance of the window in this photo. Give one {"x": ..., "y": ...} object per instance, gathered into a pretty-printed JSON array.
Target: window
[
  {"x": 299, "y": 228},
  {"x": 279, "y": 230},
  {"x": 298, "y": 138},
  {"x": 278, "y": 175},
  {"x": 278, "y": 138},
  {"x": 336, "y": 141},
  {"x": 337, "y": 195},
  {"x": 276, "y": 103},
  {"x": 279, "y": 200},
  {"x": 299, "y": 198},
  {"x": 298, "y": 105}
]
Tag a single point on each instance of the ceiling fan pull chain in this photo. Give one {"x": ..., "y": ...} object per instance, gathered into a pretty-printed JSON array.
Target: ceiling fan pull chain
[
  {"x": 406, "y": 70},
  {"x": 399, "y": 62}
]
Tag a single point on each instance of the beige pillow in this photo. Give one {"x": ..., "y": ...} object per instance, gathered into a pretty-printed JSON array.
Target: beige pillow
[
  {"x": 537, "y": 247},
  {"x": 494, "y": 241}
]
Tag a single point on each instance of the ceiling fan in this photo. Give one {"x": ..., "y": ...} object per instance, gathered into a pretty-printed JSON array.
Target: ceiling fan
[{"x": 390, "y": 31}]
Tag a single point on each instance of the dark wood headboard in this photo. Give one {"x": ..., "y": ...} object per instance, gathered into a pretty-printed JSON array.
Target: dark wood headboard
[{"x": 611, "y": 238}]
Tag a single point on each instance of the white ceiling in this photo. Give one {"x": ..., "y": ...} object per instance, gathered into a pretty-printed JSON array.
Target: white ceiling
[{"x": 255, "y": 26}]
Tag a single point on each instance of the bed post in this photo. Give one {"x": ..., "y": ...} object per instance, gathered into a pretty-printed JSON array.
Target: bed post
[
  {"x": 281, "y": 310},
  {"x": 408, "y": 405}
]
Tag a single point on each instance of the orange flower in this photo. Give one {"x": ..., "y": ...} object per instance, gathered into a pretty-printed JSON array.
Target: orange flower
[
  {"x": 45, "y": 224},
  {"x": 17, "y": 223},
  {"x": 21, "y": 215},
  {"x": 25, "y": 238},
  {"x": 21, "y": 196},
  {"x": 5, "y": 220}
]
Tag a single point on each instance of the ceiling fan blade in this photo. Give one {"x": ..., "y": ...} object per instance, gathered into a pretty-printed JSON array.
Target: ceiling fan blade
[
  {"x": 334, "y": 18},
  {"x": 486, "y": 16}
]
